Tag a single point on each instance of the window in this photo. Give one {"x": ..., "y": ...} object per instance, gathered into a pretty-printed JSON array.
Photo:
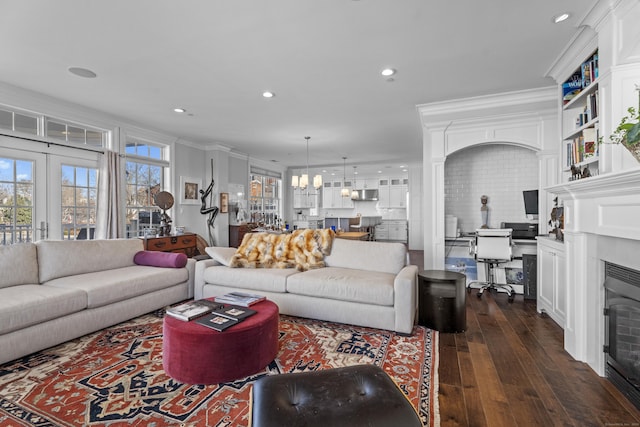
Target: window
[
  {"x": 78, "y": 202},
  {"x": 146, "y": 168},
  {"x": 18, "y": 122},
  {"x": 264, "y": 198},
  {"x": 74, "y": 134},
  {"x": 16, "y": 201}
]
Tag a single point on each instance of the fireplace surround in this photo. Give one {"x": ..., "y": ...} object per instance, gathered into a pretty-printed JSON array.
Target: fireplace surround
[{"x": 602, "y": 224}]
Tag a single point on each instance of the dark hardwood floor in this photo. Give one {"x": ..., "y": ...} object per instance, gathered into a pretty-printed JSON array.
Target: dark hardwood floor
[{"x": 509, "y": 368}]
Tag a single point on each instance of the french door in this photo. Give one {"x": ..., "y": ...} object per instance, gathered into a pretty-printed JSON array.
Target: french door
[
  {"x": 23, "y": 196},
  {"x": 45, "y": 195}
]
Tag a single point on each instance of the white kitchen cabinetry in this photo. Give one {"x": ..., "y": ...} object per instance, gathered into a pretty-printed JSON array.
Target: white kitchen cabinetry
[
  {"x": 392, "y": 192},
  {"x": 332, "y": 197},
  {"x": 551, "y": 298},
  {"x": 392, "y": 230}
]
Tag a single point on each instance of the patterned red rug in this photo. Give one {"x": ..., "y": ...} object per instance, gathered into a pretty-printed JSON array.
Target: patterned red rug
[{"x": 115, "y": 378}]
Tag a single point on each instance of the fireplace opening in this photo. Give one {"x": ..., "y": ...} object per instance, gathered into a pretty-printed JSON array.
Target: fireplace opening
[{"x": 622, "y": 329}]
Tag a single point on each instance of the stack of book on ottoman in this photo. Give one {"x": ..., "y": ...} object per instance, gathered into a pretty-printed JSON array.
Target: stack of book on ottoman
[{"x": 219, "y": 314}]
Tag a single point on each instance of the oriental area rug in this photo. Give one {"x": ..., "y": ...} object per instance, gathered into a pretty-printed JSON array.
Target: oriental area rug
[{"x": 114, "y": 377}]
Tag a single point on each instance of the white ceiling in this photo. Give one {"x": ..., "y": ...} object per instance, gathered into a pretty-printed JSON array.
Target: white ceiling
[{"x": 322, "y": 58}]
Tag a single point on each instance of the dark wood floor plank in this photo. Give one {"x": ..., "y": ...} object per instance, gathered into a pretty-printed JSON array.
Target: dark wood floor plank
[{"x": 472, "y": 395}]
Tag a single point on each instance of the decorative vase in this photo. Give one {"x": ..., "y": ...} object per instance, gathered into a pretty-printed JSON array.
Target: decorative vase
[{"x": 634, "y": 149}]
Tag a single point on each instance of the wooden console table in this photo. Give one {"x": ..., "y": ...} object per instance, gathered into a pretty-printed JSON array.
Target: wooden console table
[{"x": 182, "y": 243}]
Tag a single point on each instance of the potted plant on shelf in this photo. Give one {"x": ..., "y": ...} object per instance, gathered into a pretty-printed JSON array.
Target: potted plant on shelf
[{"x": 628, "y": 131}]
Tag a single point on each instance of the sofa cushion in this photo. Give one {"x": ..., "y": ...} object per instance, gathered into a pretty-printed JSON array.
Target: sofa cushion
[
  {"x": 60, "y": 258},
  {"x": 385, "y": 257},
  {"x": 261, "y": 279},
  {"x": 106, "y": 287},
  {"x": 160, "y": 259},
  {"x": 18, "y": 265},
  {"x": 220, "y": 254},
  {"x": 344, "y": 284},
  {"x": 27, "y": 305}
]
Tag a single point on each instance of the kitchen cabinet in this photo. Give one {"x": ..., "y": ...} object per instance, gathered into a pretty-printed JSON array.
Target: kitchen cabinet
[
  {"x": 332, "y": 197},
  {"x": 392, "y": 192},
  {"x": 310, "y": 223},
  {"x": 392, "y": 230},
  {"x": 551, "y": 295}
]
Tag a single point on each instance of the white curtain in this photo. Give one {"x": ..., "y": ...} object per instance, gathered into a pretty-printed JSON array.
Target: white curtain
[{"x": 109, "y": 221}]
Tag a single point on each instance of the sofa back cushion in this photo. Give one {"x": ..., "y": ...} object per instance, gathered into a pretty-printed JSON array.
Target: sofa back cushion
[
  {"x": 18, "y": 265},
  {"x": 384, "y": 257},
  {"x": 60, "y": 258}
]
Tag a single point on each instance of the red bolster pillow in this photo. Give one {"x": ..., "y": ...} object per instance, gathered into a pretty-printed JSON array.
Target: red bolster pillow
[{"x": 160, "y": 259}]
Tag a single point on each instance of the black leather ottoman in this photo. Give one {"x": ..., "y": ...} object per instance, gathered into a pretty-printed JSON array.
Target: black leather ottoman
[{"x": 362, "y": 395}]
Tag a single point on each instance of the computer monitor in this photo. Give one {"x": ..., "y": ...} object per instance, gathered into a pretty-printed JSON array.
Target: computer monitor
[{"x": 530, "y": 203}]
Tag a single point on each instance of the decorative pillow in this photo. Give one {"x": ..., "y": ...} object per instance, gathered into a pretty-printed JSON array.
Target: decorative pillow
[
  {"x": 222, "y": 255},
  {"x": 160, "y": 259}
]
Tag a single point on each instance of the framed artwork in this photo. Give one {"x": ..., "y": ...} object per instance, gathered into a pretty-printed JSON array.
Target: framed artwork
[
  {"x": 190, "y": 190},
  {"x": 224, "y": 202}
]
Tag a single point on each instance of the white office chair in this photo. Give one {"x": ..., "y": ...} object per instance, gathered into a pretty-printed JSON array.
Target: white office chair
[{"x": 493, "y": 247}]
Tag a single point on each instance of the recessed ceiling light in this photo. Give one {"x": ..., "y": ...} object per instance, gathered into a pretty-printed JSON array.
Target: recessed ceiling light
[
  {"x": 562, "y": 17},
  {"x": 179, "y": 110},
  {"x": 268, "y": 94},
  {"x": 388, "y": 72},
  {"x": 82, "y": 72}
]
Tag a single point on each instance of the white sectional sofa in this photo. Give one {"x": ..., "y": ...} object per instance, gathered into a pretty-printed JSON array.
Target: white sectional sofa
[
  {"x": 364, "y": 283},
  {"x": 54, "y": 291}
]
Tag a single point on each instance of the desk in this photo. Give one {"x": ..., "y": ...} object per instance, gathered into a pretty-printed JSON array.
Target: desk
[{"x": 458, "y": 258}]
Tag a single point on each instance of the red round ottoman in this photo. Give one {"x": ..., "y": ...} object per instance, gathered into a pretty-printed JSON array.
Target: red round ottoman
[{"x": 195, "y": 354}]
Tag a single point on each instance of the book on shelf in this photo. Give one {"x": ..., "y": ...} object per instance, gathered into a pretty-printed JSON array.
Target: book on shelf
[
  {"x": 240, "y": 298},
  {"x": 571, "y": 87},
  {"x": 585, "y": 71},
  {"x": 192, "y": 309},
  {"x": 216, "y": 321},
  {"x": 235, "y": 312},
  {"x": 590, "y": 137}
]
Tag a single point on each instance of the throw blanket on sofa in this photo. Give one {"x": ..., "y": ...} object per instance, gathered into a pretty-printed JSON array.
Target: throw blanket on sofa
[{"x": 302, "y": 249}]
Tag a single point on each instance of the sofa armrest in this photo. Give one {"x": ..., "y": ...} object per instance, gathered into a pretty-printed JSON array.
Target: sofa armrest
[
  {"x": 191, "y": 269},
  {"x": 406, "y": 298},
  {"x": 199, "y": 276}
]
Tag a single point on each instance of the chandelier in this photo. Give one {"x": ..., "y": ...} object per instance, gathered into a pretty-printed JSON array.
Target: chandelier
[{"x": 302, "y": 181}]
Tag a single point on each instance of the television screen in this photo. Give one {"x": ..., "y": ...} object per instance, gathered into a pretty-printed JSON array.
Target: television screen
[{"x": 530, "y": 202}]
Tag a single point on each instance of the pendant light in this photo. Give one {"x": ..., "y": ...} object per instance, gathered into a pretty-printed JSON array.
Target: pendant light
[
  {"x": 354, "y": 192},
  {"x": 345, "y": 191},
  {"x": 302, "y": 181}
]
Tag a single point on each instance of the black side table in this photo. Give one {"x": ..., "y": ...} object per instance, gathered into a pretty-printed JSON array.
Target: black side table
[{"x": 441, "y": 300}]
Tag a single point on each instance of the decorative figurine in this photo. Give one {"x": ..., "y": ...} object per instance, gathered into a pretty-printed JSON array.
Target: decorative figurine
[
  {"x": 164, "y": 200},
  {"x": 484, "y": 211},
  {"x": 212, "y": 210}
]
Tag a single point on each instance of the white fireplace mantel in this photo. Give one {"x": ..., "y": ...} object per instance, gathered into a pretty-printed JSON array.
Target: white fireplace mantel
[{"x": 601, "y": 223}]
